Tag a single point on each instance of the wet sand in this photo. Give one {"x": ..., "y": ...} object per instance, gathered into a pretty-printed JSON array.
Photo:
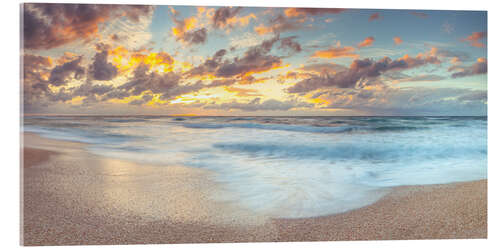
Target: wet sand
[{"x": 74, "y": 197}]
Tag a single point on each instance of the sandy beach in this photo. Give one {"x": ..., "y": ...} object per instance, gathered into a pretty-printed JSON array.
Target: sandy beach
[{"x": 74, "y": 197}]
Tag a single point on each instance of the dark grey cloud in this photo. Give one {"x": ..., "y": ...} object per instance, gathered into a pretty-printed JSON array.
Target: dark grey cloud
[
  {"x": 62, "y": 73},
  {"x": 89, "y": 88},
  {"x": 210, "y": 65},
  {"x": 198, "y": 36},
  {"x": 101, "y": 69},
  {"x": 289, "y": 43},
  {"x": 166, "y": 84},
  {"x": 33, "y": 68},
  {"x": 360, "y": 69},
  {"x": 47, "y": 25},
  {"x": 222, "y": 14},
  {"x": 480, "y": 67},
  {"x": 35, "y": 88},
  {"x": 255, "y": 59}
]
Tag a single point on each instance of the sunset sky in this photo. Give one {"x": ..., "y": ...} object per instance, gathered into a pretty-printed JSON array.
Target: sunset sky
[{"x": 186, "y": 60}]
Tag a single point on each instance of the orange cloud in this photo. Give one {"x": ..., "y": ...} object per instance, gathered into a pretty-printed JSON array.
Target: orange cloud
[
  {"x": 397, "y": 40},
  {"x": 374, "y": 16},
  {"x": 262, "y": 29},
  {"x": 335, "y": 52},
  {"x": 242, "y": 21},
  {"x": 474, "y": 39},
  {"x": 182, "y": 26},
  {"x": 189, "y": 30},
  {"x": 367, "y": 42}
]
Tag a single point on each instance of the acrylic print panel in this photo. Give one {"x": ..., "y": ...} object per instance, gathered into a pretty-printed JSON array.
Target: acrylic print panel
[{"x": 185, "y": 124}]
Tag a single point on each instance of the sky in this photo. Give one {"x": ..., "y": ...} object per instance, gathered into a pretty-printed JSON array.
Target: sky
[{"x": 204, "y": 60}]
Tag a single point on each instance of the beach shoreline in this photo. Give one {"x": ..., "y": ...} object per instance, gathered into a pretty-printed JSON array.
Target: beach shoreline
[{"x": 74, "y": 197}]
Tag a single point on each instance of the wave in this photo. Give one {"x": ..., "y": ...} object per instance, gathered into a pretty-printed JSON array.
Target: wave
[
  {"x": 295, "y": 128},
  {"x": 303, "y": 128},
  {"x": 351, "y": 151}
]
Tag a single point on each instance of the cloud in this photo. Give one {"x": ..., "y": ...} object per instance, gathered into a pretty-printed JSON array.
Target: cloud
[
  {"x": 47, "y": 26},
  {"x": 196, "y": 36},
  {"x": 89, "y": 89},
  {"x": 127, "y": 33},
  {"x": 408, "y": 101},
  {"x": 419, "y": 14},
  {"x": 374, "y": 16},
  {"x": 255, "y": 60},
  {"x": 480, "y": 67},
  {"x": 293, "y": 19},
  {"x": 288, "y": 43},
  {"x": 279, "y": 24},
  {"x": 323, "y": 68},
  {"x": 143, "y": 100},
  {"x": 302, "y": 12},
  {"x": 248, "y": 39},
  {"x": 36, "y": 71},
  {"x": 257, "y": 105},
  {"x": 101, "y": 69},
  {"x": 367, "y": 42},
  {"x": 397, "y": 40},
  {"x": 36, "y": 68},
  {"x": 480, "y": 95},
  {"x": 185, "y": 30},
  {"x": 453, "y": 55},
  {"x": 40, "y": 73},
  {"x": 222, "y": 15},
  {"x": 243, "y": 92},
  {"x": 126, "y": 61},
  {"x": 209, "y": 66},
  {"x": 418, "y": 78},
  {"x": 361, "y": 69},
  {"x": 166, "y": 84},
  {"x": 60, "y": 74},
  {"x": 474, "y": 38},
  {"x": 335, "y": 52},
  {"x": 116, "y": 94}
]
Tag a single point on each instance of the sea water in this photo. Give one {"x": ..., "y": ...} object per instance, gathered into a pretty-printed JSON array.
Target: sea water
[{"x": 290, "y": 166}]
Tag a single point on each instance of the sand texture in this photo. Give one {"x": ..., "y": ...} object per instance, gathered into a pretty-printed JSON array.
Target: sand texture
[{"x": 73, "y": 197}]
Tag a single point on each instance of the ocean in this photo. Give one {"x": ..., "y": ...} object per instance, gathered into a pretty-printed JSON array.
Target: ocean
[{"x": 290, "y": 167}]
